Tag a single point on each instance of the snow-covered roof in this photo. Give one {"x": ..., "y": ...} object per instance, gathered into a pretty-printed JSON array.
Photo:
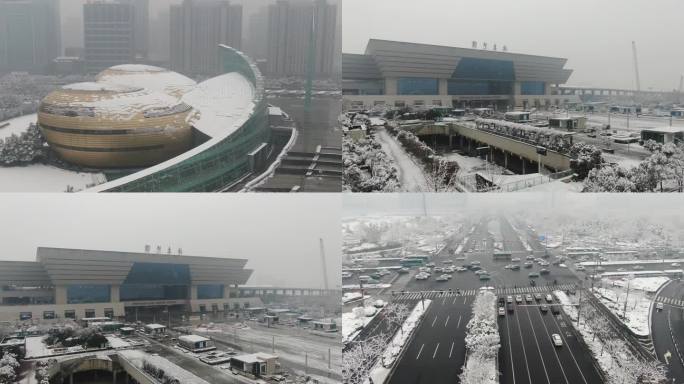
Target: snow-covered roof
[
  {"x": 664, "y": 129},
  {"x": 517, "y": 113},
  {"x": 155, "y": 326},
  {"x": 137, "y": 357},
  {"x": 148, "y": 77},
  {"x": 92, "y": 86},
  {"x": 221, "y": 103},
  {"x": 255, "y": 357},
  {"x": 192, "y": 338}
]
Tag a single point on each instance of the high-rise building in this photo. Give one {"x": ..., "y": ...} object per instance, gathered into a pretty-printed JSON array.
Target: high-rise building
[
  {"x": 108, "y": 34},
  {"x": 30, "y": 35},
  {"x": 256, "y": 36},
  {"x": 141, "y": 26},
  {"x": 197, "y": 30},
  {"x": 290, "y": 28}
]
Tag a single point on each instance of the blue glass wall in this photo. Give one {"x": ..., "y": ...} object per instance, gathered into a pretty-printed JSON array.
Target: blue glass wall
[
  {"x": 475, "y": 87},
  {"x": 484, "y": 69},
  {"x": 156, "y": 281},
  {"x": 213, "y": 291},
  {"x": 532, "y": 87},
  {"x": 417, "y": 86},
  {"x": 88, "y": 294},
  {"x": 135, "y": 292}
]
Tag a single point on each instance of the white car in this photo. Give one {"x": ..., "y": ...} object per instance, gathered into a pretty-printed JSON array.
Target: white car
[
  {"x": 443, "y": 278},
  {"x": 549, "y": 298},
  {"x": 675, "y": 264},
  {"x": 518, "y": 299},
  {"x": 422, "y": 276},
  {"x": 515, "y": 259},
  {"x": 557, "y": 341},
  {"x": 502, "y": 311},
  {"x": 580, "y": 268},
  {"x": 659, "y": 306}
]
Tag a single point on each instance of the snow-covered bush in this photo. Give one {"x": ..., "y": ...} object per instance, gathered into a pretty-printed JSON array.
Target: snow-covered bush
[
  {"x": 482, "y": 342},
  {"x": 367, "y": 168},
  {"x": 585, "y": 158},
  {"x": 8, "y": 368},
  {"x": 158, "y": 373},
  {"x": 23, "y": 149}
]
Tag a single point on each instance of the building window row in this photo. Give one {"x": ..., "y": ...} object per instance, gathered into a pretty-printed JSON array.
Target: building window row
[
  {"x": 78, "y": 294},
  {"x": 479, "y": 87},
  {"x": 532, "y": 87}
]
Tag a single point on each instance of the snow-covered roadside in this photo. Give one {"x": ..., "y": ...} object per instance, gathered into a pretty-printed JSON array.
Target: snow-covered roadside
[
  {"x": 522, "y": 237},
  {"x": 482, "y": 342},
  {"x": 353, "y": 322},
  {"x": 382, "y": 367},
  {"x": 616, "y": 361},
  {"x": 613, "y": 295},
  {"x": 411, "y": 175}
]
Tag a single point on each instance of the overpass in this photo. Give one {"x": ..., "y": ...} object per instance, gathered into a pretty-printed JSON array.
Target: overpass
[
  {"x": 596, "y": 93},
  {"x": 275, "y": 291},
  {"x": 511, "y": 153}
]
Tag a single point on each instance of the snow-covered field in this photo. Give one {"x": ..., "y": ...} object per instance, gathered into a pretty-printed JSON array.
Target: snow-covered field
[
  {"x": 635, "y": 315},
  {"x": 17, "y": 125},
  {"x": 382, "y": 368},
  {"x": 45, "y": 178},
  {"x": 40, "y": 177}
]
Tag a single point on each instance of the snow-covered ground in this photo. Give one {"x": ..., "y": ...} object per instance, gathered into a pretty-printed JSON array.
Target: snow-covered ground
[
  {"x": 411, "y": 174},
  {"x": 613, "y": 294},
  {"x": 45, "y": 178},
  {"x": 137, "y": 358},
  {"x": 40, "y": 177},
  {"x": 35, "y": 347},
  {"x": 382, "y": 368},
  {"x": 17, "y": 125},
  {"x": 353, "y": 322}
]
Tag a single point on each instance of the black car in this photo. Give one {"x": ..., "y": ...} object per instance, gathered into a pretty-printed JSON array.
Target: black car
[
  {"x": 555, "y": 309},
  {"x": 533, "y": 283},
  {"x": 502, "y": 301},
  {"x": 509, "y": 307}
]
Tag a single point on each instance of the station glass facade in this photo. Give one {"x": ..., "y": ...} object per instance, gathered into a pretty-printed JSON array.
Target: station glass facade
[
  {"x": 417, "y": 86},
  {"x": 210, "y": 291},
  {"x": 155, "y": 281},
  {"x": 532, "y": 87},
  {"x": 78, "y": 294}
]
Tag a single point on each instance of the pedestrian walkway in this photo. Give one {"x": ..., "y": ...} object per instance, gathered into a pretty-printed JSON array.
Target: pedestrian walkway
[
  {"x": 670, "y": 301},
  {"x": 417, "y": 295}
]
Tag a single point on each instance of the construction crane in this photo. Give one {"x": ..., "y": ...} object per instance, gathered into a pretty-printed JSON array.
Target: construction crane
[
  {"x": 325, "y": 267},
  {"x": 636, "y": 67}
]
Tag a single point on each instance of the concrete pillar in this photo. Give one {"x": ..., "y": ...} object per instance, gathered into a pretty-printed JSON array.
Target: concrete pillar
[
  {"x": 451, "y": 141},
  {"x": 523, "y": 165},
  {"x": 547, "y": 88},
  {"x": 71, "y": 378},
  {"x": 60, "y": 294},
  {"x": 114, "y": 292},
  {"x": 193, "y": 292},
  {"x": 443, "y": 87},
  {"x": 517, "y": 88},
  {"x": 505, "y": 159},
  {"x": 390, "y": 86},
  {"x": 114, "y": 376}
]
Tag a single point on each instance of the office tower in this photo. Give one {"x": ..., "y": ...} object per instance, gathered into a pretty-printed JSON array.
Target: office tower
[
  {"x": 30, "y": 35},
  {"x": 291, "y": 25},
  {"x": 109, "y": 34},
  {"x": 197, "y": 29}
]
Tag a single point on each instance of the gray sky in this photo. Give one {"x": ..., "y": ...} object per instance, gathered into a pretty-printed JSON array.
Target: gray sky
[
  {"x": 659, "y": 207},
  {"x": 595, "y": 36},
  {"x": 278, "y": 233}
]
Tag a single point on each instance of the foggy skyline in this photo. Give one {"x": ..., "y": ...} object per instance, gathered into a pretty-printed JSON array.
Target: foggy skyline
[
  {"x": 279, "y": 235},
  {"x": 595, "y": 37}
]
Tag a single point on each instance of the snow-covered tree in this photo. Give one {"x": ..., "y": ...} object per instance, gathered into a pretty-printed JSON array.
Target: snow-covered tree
[
  {"x": 482, "y": 342},
  {"x": 441, "y": 175},
  {"x": 358, "y": 359},
  {"x": 396, "y": 314},
  {"x": 585, "y": 158},
  {"x": 609, "y": 179}
]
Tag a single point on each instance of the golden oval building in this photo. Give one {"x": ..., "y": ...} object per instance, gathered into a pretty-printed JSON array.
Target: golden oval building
[{"x": 132, "y": 116}]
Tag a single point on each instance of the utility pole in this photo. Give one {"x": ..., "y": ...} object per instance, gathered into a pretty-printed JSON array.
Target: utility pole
[
  {"x": 579, "y": 305},
  {"x": 636, "y": 67}
]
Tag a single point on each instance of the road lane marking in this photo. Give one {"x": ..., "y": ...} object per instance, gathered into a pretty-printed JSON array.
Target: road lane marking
[
  {"x": 565, "y": 341},
  {"x": 419, "y": 352},
  {"x": 444, "y": 301},
  {"x": 433, "y": 321},
  {"x": 435, "y": 353},
  {"x": 510, "y": 348},
  {"x": 464, "y": 300},
  {"x": 522, "y": 342},
  {"x": 459, "y": 321},
  {"x": 554, "y": 347},
  {"x": 454, "y": 300},
  {"x": 447, "y": 321},
  {"x": 452, "y": 349}
]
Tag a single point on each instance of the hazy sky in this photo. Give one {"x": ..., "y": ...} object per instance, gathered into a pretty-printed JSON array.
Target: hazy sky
[
  {"x": 595, "y": 36},
  {"x": 277, "y": 233},
  {"x": 662, "y": 207}
]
